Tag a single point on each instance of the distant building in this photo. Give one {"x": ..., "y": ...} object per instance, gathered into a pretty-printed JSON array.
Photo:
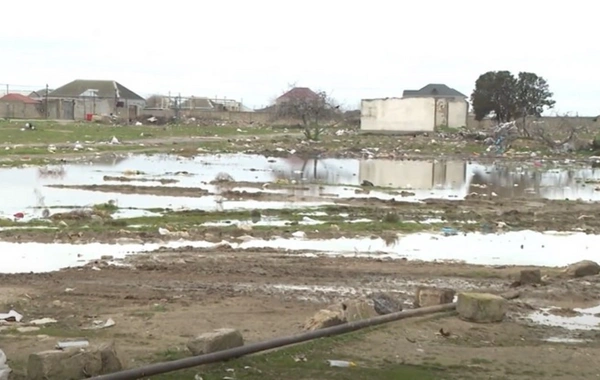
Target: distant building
[
  {"x": 39, "y": 94},
  {"x": 433, "y": 106},
  {"x": 17, "y": 106},
  {"x": 297, "y": 93},
  {"x": 80, "y": 99}
]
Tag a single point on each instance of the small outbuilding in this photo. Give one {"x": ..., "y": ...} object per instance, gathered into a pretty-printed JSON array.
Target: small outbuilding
[{"x": 433, "y": 106}]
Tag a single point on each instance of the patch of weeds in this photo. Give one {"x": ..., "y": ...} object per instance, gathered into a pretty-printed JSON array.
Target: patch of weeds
[
  {"x": 480, "y": 361},
  {"x": 56, "y": 331},
  {"x": 159, "y": 308},
  {"x": 144, "y": 314},
  {"x": 106, "y": 208},
  {"x": 391, "y": 217},
  {"x": 281, "y": 364}
]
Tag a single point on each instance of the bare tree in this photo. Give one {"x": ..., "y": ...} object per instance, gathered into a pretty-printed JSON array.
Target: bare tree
[
  {"x": 317, "y": 113},
  {"x": 564, "y": 135}
]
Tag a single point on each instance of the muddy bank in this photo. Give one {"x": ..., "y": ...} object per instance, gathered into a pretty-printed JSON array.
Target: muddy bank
[{"x": 266, "y": 295}]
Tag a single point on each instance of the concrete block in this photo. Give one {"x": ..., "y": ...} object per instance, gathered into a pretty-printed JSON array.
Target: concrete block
[
  {"x": 385, "y": 303},
  {"x": 583, "y": 268},
  {"x": 429, "y": 296},
  {"x": 481, "y": 307},
  {"x": 530, "y": 276},
  {"x": 217, "y": 340},
  {"x": 74, "y": 363},
  {"x": 323, "y": 319}
]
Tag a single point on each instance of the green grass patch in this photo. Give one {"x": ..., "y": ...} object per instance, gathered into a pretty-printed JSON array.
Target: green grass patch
[
  {"x": 284, "y": 364},
  {"x": 48, "y": 132}
]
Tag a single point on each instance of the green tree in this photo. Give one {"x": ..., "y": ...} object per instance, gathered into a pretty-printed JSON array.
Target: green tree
[
  {"x": 507, "y": 98},
  {"x": 533, "y": 94}
]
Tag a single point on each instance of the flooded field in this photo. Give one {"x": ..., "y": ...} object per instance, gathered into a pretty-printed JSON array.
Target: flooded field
[
  {"x": 97, "y": 182},
  {"x": 150, "y": 239}
]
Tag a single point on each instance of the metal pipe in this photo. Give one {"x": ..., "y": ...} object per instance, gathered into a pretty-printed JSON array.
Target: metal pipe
[{"x": 233, "y": 353}]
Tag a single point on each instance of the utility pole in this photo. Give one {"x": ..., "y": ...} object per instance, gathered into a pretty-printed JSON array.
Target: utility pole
[{"x": 47, "y": 109}]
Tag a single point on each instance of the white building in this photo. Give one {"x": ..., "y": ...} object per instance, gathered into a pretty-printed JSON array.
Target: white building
[{"x": 433, "y": 106}]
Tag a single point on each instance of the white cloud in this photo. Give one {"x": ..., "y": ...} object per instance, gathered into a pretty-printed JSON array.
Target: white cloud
[{"x": 252, "y": 50}]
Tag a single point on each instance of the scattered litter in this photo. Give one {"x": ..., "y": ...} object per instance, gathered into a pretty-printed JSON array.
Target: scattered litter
[
  {"x": 102, "y": 325},
  {"x": 299, "y": 358},
  {"x": 4, "y": 368},
  {"x": 449, "y": 231},
  {"x": 299, "y": 234},
  {"x": 11, "y": 316},
  {"x": 43, "y": 321},
  {"x": 26, "y": 329},
  {"x": 341, "y": 363},
  {"x": 72, "y": 344},
  {"x": 114, "y": 140}
]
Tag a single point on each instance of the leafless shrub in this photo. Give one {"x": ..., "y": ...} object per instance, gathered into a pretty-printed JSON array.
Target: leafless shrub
[
  {"x": 222, "y": 178},
  {"x": 562, "y": 136},
  {"x": 317, "y": 113}
]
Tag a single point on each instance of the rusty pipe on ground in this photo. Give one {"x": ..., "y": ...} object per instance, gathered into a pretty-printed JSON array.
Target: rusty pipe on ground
[{"x": 233, "y": 353}]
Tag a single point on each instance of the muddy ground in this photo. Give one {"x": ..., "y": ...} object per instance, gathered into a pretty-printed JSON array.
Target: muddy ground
[
  {"x": 380, "y": 218},
  {"x": 160, "y": 300},
  {"x": 36, "y": 148}
]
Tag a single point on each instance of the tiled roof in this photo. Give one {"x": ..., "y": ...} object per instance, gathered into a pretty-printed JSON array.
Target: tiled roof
[
  {"x": 18, "y": 98},
  {"x": 299, "y": 93},
  {"x": 435, "y": 90},
  {"x": 104, "y": 89}
]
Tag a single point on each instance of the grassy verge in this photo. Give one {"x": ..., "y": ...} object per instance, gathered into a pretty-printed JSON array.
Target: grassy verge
[
  {"x": 57, "y": 133},
  {"x": 284, "y": 364},
  {"x": 379, "y": 223}
]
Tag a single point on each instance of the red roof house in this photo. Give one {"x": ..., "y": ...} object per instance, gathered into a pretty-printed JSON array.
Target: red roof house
[
  {"x": 297, "y": 93},
  {"x": 18, "y": 98}
]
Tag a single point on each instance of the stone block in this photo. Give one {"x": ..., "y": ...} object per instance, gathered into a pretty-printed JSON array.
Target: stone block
[
  {"x": 481, "y": 307},
  {"x": 583, "y": 268},
  {"x": 74, "y": 363},
  {"x": 530, "y": 276},
  {"x": 357, "y": 310},
  {"x": 429, "y": 296},
  {"x": 217, "y": 340},
  {"x": 385, "y": 303},
  {"x": 323, "y": 319}
]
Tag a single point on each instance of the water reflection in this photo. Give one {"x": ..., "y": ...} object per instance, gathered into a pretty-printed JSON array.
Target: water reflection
[
  {"x": 330, "y": 171},
  {"x": 426, "y": 179},
  {"x": 420, "y": 175}
]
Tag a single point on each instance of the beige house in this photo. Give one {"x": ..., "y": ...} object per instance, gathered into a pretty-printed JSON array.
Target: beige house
[
  {"x": 80, "y": 99},
  {"x": 433, "y": 106}
]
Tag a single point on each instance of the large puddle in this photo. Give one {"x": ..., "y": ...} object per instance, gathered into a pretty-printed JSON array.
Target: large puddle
[
  {"x": 328, "y": 178},
  {"x": 514, "y": 248},
  {"x": 583, "y": 319}
]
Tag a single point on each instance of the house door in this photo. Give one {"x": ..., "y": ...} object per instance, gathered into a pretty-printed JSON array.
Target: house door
[
  {"x": 132, "y": 112},
  {"x": 68, "y": 107},
  {"x": 441, "y": 113}
]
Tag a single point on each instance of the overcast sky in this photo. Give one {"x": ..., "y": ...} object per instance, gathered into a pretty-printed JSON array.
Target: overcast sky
[{"x": 252, "y": 50}]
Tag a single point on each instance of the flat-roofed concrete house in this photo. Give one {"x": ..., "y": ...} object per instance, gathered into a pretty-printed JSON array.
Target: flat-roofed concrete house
[{"x": 433, "y": 106}]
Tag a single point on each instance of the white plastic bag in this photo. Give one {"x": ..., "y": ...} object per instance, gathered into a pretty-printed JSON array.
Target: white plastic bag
[{"x": 4, "y": 368}]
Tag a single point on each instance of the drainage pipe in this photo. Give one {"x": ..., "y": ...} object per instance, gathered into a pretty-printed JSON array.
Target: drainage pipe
[
  {"x": 159, "y": 368},
  {"x": 176, "y": 365}
]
